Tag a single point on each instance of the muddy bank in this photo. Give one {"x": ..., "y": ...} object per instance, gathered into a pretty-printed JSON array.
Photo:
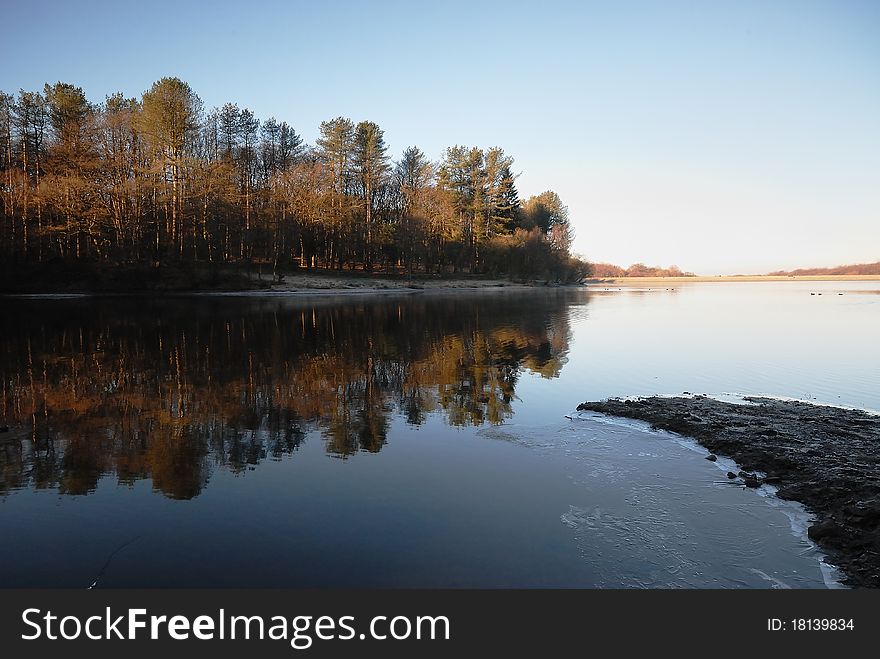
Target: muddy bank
[
  {"x": 366, "y": 283},
  {"x": 94, "y": 278},
  {"x": 826, "y": 458}
]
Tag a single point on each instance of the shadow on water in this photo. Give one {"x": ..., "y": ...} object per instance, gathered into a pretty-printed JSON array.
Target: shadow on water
[{"x": 173, "y": 389}]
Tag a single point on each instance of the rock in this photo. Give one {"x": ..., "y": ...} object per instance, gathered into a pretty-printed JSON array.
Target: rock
[
  {"x": 824, "y": 531},
  {"x": 712, "y": 457},
  {"x": 4, "y": 428},
  {"x": 864, "y": 512},
  {"x": 750, "y": 479},
  {"x": 731, "y": 475}
]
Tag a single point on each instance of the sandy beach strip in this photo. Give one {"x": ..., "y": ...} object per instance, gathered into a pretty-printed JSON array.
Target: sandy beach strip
[{"x": 640, "y": 282}]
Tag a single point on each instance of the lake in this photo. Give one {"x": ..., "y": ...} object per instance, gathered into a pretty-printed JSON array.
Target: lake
[{"x": 407, "y": 440}]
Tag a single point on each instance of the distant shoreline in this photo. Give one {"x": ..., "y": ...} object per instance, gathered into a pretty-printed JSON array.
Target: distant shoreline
[{"x": 641, "y": 281}]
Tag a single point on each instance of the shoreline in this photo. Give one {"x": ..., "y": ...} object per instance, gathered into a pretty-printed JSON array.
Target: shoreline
[
  {"x": 823, "y": 457},
  {"x": 643, "y": 281},
  {"x": 363, "y": 284},
  {"x": 302, "y": 285}
]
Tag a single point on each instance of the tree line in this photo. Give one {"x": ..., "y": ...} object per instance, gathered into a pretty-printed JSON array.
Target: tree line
[
  {"x": 608, "y": 270},
  {"x": 854, "y": 269},
  {"x": 159, "y": 180}
]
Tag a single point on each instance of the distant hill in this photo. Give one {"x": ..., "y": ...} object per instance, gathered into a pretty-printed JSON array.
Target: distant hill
[
  {"x": 856, "y": 269},
  {"x": 608, "y": 270}
]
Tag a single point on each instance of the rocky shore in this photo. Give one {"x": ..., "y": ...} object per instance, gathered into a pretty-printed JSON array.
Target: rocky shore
[{"x": 824, "y": 457}]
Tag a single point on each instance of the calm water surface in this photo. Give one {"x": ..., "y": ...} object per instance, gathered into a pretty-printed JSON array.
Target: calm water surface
[{"x": 406, "y": 440}]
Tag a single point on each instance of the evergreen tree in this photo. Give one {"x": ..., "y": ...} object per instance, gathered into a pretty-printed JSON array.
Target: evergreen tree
[
  {"x": 508, "y": 204},
  {"x": 335, "y": 146},
  {"x": 370, "y": 169},
  {"x": 169, "y": 118},
  {"x": 290, "y": 146}
]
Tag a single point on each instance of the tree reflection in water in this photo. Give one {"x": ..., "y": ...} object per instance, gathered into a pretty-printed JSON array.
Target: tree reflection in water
[{"x": 173, "y": 389}]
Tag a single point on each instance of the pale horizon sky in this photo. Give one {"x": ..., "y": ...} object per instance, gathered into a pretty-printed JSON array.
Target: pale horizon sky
[{"x": 720, "y": 137}]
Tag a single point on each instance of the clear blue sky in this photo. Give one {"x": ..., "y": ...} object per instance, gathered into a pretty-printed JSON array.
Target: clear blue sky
[{"x": 719, "y": 136}]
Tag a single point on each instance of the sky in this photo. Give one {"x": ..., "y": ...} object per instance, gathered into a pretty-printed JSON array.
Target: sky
[{"x": 722, "y": 137}]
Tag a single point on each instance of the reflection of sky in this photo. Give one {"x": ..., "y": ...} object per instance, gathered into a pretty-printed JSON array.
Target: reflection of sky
[{"x": 772, "y": 338}]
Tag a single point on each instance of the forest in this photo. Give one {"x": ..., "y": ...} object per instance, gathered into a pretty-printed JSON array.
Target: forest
[{"x": 159, "y": 183}]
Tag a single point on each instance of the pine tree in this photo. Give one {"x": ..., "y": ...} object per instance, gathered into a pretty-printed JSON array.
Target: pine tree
[
  {"x": 335, "y": 146},
  {"x": 508, "y": 203},
  {"x": 169, "y": 119},
  {"x": 290, "y": 146},
  {"x": 370, "y": 169}
]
